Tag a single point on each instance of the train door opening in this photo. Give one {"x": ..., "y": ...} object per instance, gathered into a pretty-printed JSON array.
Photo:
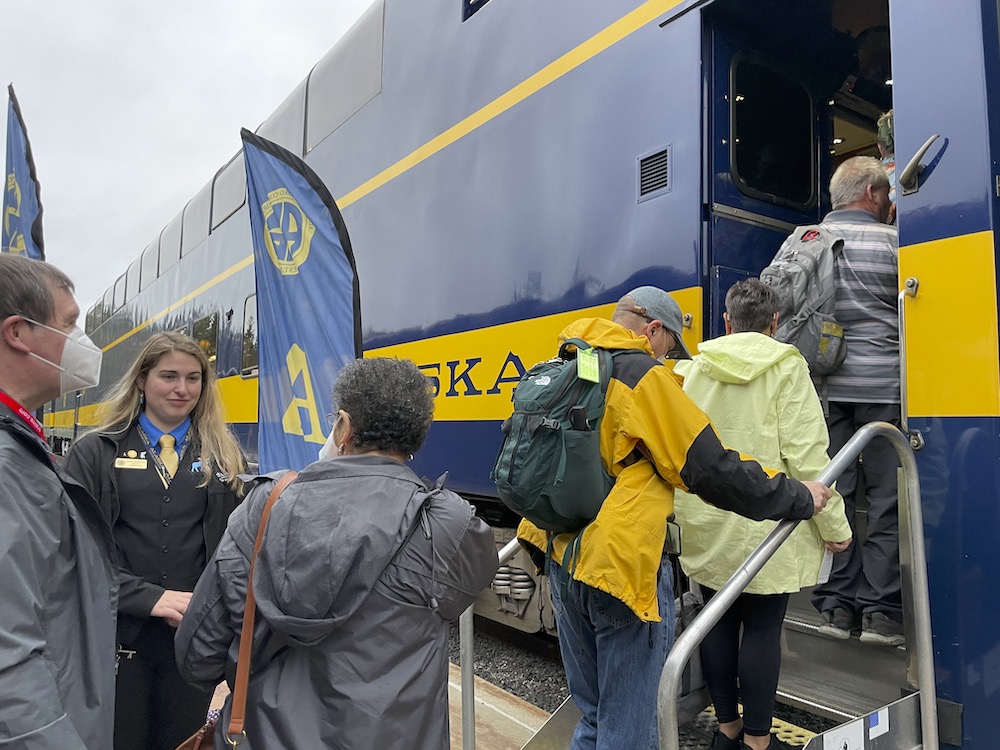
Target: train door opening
[{"x": 792, "y": 89}]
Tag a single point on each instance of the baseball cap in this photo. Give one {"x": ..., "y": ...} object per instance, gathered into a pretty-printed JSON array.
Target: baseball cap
[{"x": 655, "y": 304}]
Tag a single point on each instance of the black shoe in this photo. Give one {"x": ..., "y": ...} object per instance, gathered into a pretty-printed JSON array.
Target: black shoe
[
  {"x": 837, "y": 624},
  {"x": 879, "y": 630},
  {"x": 721, "y": 742}
]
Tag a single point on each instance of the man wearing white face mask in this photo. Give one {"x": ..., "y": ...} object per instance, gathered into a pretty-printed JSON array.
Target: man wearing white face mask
[{"x": 57, "y": 582}]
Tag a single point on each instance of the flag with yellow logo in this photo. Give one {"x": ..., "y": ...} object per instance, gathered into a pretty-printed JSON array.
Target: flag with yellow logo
[
  {"x": 22, "y": 199},
  {"x": 308, "y": 302}
]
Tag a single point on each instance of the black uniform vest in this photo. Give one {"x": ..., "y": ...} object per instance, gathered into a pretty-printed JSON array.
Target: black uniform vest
[{"x": 159, "y": 530}]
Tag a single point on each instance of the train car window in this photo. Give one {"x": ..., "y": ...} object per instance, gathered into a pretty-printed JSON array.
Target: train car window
[
  {"x": 197, "y": 220},
  {"x": 229, "y": 190},
  {"x": 119, "y": 298},
  {"x": 347, "y": 78},
  {"x": 170, "y": 243},
  {"x": 206, "y": 332},
  {"x": 248, "y": 365},
  {"x": 132, "y": 280},
  {"x": 108, "y": 308},
  {"x": 771, "y": 135},
  {"x": 286, "y": 125},
  {"x": 149, "y": 266},
  {"x": 471, "y": 6}
]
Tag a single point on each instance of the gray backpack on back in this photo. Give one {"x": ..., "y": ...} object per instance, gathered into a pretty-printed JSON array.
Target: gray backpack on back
[{"x": 804, "y": 275}]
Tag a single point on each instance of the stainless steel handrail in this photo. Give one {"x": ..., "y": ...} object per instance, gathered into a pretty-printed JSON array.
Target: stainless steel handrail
[
  {"x": 467, "y": 655},
  {"x": 695, "y": 633},
  {"x": 915, "y": 438}
]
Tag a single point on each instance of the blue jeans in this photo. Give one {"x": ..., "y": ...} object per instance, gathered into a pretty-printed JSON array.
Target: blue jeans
[{"x": 613, "y": 661}]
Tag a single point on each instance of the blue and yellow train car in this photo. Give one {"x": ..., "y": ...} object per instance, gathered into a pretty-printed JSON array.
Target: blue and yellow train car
[{"x": 505, "y": 167}]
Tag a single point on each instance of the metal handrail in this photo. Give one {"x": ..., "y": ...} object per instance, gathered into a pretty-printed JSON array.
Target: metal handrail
[
  {"x": 713, "y": 611},
  {"x": 467, "y": 655},
  {"x": 915, "y": 438}
]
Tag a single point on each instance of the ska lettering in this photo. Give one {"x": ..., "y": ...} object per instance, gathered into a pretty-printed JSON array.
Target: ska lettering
[{"x": 467, "y": 377}]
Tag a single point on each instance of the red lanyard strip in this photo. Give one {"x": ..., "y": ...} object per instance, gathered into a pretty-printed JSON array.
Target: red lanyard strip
[{"x": 23, "y": 413}]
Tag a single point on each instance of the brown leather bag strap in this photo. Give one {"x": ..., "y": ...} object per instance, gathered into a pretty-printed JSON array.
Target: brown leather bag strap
[{"x": 235, "y": 734}]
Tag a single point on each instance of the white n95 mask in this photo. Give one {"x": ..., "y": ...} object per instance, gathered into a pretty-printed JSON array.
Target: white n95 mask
[
  {"x": 80, "y": 364},
  {"x": 329, "y": 449}
]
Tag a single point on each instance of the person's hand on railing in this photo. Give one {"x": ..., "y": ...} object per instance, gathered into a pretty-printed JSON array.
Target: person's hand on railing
[
  {"x": 821, "y": 493},
  {"x": 836, "y": 547}
]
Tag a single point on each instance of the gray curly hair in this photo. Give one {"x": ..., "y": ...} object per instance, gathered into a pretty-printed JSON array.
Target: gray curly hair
[{"x": 390, "y": 403}]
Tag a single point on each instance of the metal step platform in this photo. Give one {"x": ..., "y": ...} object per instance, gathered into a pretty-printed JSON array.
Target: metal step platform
[{"x": 840, "y": 680}]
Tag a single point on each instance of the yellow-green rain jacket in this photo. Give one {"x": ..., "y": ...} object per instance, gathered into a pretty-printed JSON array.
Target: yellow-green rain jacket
[
  {"x": 758, "y": 395},
  {"x": 667, "y": 441}
]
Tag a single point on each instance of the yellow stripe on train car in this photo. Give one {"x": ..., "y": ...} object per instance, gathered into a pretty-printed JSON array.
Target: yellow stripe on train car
[
  {"x": 474, "y": 372},
  {"x": 952, "y": 358}
]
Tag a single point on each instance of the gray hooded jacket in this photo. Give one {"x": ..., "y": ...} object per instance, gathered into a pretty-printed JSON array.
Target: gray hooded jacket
[
  {"x": 361, "y": 570},
  {"x": 58, "y": 594}
]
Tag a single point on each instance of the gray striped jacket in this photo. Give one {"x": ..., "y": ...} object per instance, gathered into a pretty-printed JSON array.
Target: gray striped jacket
[{"x": 867, "y": 286}]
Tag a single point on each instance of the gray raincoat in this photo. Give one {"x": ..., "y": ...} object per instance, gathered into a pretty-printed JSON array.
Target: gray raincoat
[
  {"x": 361, "y": 571},
  {"x": 58, "y": 593}
]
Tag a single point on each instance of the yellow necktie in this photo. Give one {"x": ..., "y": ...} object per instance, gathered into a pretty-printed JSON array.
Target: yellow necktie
[{"x": 167, "y": 453}]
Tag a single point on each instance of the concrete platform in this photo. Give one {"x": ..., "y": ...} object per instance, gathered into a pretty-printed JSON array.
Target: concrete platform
[{"x": 503, "y": 721}]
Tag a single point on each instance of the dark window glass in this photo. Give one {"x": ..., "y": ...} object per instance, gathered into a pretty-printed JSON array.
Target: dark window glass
[
  {"x": 471, "y": 6},
  {"x": 206, "y": 332},
  {"x": 772, "y": 143},
  {"x": 249, "y": 361}
]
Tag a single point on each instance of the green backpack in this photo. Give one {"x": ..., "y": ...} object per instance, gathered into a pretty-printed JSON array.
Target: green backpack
[{"x": 549, "y": 468}]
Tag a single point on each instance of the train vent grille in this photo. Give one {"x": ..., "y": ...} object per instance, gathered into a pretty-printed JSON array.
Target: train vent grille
[{"x": 654, "y": 173}]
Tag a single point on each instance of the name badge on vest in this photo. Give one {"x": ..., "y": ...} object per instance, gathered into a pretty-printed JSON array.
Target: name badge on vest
[{"x": 131, "y": 463}]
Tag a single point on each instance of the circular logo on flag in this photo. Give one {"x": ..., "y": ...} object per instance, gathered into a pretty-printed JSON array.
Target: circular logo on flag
[{"x": 287, "y": 231}]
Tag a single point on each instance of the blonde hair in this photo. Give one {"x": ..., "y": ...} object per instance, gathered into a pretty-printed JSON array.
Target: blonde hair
[{"x": 219, "y": 449}]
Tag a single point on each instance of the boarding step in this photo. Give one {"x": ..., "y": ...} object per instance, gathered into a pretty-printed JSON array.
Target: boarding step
[{"x": 840, "y": 680}]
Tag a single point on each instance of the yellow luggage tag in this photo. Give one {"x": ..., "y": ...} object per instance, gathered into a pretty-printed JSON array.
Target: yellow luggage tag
[{"x": 587, "y": 365}]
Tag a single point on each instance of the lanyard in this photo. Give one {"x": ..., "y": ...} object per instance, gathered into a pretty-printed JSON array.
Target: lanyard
[
  {"x": 23, "y": 413},
  {"x": 157, "y": 461}
]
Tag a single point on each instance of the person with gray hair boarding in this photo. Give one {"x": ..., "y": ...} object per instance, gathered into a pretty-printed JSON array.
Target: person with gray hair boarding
[
  {"x": 864, "y": 587},
  {"x": 612, "y": 582},
  {"x": 58, "y": 580},
  {"x": 758, "y": 394}
]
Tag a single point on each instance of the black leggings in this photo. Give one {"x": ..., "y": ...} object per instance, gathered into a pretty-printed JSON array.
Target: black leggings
[{"x": 752, "y": 664}]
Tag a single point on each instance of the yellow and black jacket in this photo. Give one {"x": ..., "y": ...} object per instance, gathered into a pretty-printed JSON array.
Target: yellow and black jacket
[{"x": 648, "y": 415}]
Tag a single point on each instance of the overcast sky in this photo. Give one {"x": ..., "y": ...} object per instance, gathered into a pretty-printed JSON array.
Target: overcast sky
[{"x": 131, "y": 107}]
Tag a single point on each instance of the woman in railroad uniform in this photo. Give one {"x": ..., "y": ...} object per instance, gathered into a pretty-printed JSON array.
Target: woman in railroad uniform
[{"x": 164, "y": 467}]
